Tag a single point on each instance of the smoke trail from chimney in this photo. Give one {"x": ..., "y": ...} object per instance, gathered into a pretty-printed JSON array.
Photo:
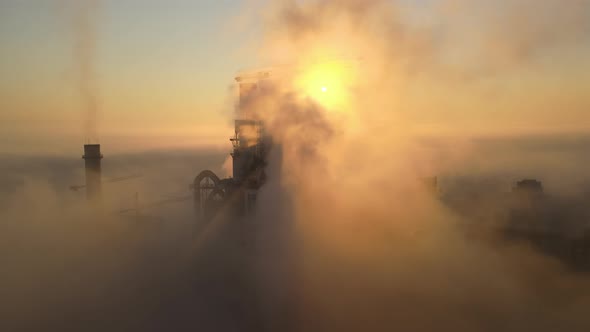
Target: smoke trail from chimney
[{"x": 82, "y": 16}]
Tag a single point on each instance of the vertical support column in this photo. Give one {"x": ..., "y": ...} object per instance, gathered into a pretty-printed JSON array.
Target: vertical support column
[{"x": 92, "y": 159}]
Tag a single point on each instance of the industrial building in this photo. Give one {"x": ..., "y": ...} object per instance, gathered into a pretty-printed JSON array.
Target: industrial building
[
  {"x": 250, "y": 148},
  {"x": 526, "y": 213},
  {"x": 237, "y": 193}
]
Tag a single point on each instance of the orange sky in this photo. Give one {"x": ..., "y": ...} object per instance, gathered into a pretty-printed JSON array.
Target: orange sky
[{"x": 164, "y": 73}]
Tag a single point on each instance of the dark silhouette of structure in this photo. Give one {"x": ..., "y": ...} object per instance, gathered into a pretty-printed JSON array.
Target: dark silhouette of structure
[
  {"x": 92, "y": 160},
  {"x": 251, "y": 146},
  {"x": 554, "y": 228},
  {"x": 238, "y": 193},
  {"x": 529, "y": 186}
]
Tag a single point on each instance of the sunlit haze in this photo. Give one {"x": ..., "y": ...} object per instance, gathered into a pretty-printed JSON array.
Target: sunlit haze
[
  {"x": 295, "y": 165},
  {"x": 163, "y": 68}
]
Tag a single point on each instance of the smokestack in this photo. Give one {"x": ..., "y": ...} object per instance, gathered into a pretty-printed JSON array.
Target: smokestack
[{"x": 92, "y": 159}]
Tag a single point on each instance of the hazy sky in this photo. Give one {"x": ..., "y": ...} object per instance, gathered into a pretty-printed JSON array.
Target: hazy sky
[{"x": 164, "y": 69}]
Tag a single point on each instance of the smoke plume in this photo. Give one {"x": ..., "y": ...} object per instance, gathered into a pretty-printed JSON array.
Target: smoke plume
[{"x": 83, "y": 18}]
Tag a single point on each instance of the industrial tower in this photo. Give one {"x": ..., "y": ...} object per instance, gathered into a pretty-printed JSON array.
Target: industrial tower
[
  {"x": 92, "y": 160},
  {"x": 251, "y": 146}
]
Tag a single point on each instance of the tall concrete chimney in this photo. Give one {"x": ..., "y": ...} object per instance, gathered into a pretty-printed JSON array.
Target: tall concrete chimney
[{"x": 92, "y": 159}]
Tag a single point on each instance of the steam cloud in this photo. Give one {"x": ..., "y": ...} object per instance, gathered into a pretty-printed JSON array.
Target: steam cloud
[{"x": 375, "y": 250}]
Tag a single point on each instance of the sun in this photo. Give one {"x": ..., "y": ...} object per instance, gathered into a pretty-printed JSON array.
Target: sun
[{"x": 327, "y": 83}]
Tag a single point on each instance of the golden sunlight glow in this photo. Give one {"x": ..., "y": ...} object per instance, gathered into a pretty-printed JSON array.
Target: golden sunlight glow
[{"x": 327, "y": 83}]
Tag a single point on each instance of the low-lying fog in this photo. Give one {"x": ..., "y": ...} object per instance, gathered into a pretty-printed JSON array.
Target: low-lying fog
[{"x": 67, "y": 267}]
